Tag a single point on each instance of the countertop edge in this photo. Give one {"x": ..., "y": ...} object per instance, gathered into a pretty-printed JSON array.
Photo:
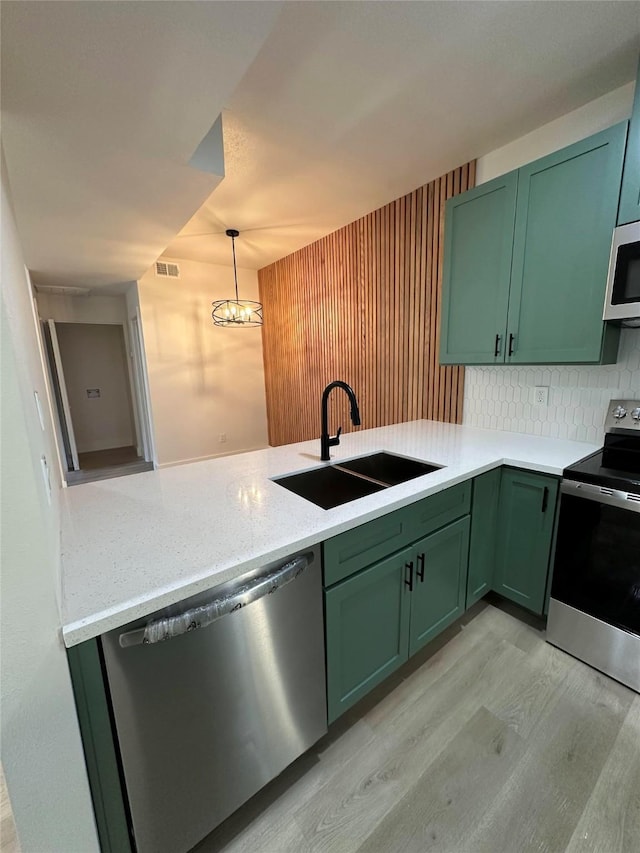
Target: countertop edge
[{"x": 78, "y": 631}]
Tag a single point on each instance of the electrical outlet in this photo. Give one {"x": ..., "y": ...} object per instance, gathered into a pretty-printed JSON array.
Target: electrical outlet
[
  {"x": 222, "y": 437},
  {"x": 541, "y": 395}
]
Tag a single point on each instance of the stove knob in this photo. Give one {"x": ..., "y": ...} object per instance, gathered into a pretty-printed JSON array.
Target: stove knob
[
  {"x": 635, "y": 414},
  {"x": 619, "y": 412}
]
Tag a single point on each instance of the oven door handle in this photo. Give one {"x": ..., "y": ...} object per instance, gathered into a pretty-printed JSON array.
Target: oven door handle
[{"x": 602, "y": 495}]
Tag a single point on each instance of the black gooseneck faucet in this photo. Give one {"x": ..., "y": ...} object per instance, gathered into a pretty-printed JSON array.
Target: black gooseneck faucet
[{"x": 325, "y": 440}]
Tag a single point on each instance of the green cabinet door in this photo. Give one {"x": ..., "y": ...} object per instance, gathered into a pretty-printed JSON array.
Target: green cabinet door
[
  {"x": 524, "y": 534},
  {"x": 478, "y": 241},
  {"x": 439, "y": 582},
  {"x": 482, "y": 546},
  {"x": 367, "y": 623},
  {"x": 100, "y": 748},
  {"x": 629, "y": 210},
  {"x": 565, "y": 216}
]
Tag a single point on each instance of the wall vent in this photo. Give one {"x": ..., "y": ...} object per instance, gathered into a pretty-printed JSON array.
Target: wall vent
[{"x": 167, "y": 270}]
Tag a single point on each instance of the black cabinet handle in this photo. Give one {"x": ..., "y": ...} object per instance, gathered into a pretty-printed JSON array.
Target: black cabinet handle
[
  {"x": 496, "y": 351},
  {"x": 545, "y": 498},
  {"x": 409, "y": 582},
  {"x": 420, "y": 571},
  {"x": 512, "y": 338}
]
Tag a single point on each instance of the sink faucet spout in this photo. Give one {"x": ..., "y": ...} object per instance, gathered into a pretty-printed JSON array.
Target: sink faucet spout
[{"x": 326, "y": 441}]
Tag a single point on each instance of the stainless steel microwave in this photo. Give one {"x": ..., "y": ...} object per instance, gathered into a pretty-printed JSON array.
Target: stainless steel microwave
[{"x": 622, "y": 301}]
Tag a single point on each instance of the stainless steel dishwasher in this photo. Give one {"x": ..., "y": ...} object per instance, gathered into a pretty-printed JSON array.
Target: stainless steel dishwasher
[{"x": 214, "y": 697}]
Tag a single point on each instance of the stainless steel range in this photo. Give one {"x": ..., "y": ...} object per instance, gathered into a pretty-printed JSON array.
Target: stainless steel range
[{"x": 594, "y": 611}]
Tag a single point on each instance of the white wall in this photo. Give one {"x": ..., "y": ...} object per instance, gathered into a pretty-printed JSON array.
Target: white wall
[
  {"x": 93, "y": 356},
  {"x": 96, "y": 307},
  {"x": 140, "y": 378},
  {"x": 92, "y": 308},
  {"x": 41, "y": 749},
  {"x": 204, "y": 380},
  {"x": 502, "y": 397},
  {"x": 590, "y": 118}
]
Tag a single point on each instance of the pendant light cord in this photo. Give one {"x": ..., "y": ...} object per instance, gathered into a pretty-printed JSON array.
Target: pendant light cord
[{"x": 235, "y": 271}]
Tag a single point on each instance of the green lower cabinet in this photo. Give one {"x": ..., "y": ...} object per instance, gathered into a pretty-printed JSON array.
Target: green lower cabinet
[
  {"x": 367, "y": 629},
  {"x": 100, "y": 750},
  {"x": 484, "y": 522},
  {"x": 524, "y": 535},
  {"x": 439, "y": 582},
  {"x": 381, "y": 615}
]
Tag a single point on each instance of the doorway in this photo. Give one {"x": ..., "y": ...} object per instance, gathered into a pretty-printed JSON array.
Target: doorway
[{"x": 98, "y": 411}]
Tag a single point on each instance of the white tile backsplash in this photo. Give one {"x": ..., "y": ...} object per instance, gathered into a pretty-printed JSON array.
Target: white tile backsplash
[{"x": 502, "y": 397}]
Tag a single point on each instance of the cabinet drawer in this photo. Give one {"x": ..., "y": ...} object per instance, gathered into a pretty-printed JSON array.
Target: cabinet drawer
[
  {"x": 437, "y": 510},
  {"x": 351, "y": 551}
]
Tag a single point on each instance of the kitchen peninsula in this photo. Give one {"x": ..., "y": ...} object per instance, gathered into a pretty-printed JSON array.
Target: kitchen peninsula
[{"x": 132, "y": 545}]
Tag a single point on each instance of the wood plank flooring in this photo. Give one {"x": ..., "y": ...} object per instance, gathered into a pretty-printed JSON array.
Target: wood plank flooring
[
  {"x": 491, "y": 740},
  {"x": 8, "y": 837},
  {"x": 105, "y": 458},
  {"x": 105, "y": 464}
]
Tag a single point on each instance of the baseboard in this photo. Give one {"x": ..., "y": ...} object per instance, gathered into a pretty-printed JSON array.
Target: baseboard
[{"x": 211, "y": 456}]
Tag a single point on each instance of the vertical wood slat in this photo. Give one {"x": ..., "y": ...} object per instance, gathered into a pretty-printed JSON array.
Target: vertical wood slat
[{"x": 363, "y": 305}]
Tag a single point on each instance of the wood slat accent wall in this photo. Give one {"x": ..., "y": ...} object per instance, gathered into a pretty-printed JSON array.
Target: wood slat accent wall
[{"x": 362, "y": 305}]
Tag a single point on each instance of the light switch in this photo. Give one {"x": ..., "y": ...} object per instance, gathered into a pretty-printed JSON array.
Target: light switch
[{"x": 46, "y": 477}]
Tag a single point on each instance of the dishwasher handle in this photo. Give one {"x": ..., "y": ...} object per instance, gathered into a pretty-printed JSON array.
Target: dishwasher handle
[{"x": 169, "y": 627}]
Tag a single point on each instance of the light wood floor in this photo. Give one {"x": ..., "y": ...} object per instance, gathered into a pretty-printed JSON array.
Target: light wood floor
[
  {"x": 106, "y": 464},
  {"x": 8, "y": 837},
  {"x": 493, "y": 742},
  {"x": 105, "y": 458}
]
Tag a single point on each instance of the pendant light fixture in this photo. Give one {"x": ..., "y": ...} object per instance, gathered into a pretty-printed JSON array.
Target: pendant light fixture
[{"x": 236, "y": 312}]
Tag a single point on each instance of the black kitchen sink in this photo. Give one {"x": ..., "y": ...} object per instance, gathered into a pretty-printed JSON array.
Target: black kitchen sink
[
  {"x": 388, "y": 468},
  {"x": 329, "y": 487},
  {"x": 342, "y": 482}
]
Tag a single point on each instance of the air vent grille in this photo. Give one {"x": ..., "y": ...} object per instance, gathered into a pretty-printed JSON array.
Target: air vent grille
[
  {"x": 166, "y": 270},
  {"x": 634, "y": 498}
]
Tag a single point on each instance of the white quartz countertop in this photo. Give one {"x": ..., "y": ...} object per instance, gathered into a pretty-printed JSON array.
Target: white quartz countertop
[{"x": 132, "y": 545}]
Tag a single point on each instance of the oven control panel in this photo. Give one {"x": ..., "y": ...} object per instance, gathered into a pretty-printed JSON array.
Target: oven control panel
[{"x": 623, "y": 414}]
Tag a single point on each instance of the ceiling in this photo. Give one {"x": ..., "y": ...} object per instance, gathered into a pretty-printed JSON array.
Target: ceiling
[
  {"x": 103, "y": 106},
  {"x": 330, "y": 109}
]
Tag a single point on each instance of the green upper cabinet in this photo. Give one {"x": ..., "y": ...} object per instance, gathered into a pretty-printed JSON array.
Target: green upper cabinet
[
  {"x": 565, "y": 216},
  {"x": 524, "y": 535},
  {"x": 629, "y": 210},
  {"x": 477, "y": 268},
  {"x": 526, "y": 257}
]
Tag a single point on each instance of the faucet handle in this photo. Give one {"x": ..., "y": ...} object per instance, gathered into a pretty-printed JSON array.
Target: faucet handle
[{"x": 336, "y": 438}]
